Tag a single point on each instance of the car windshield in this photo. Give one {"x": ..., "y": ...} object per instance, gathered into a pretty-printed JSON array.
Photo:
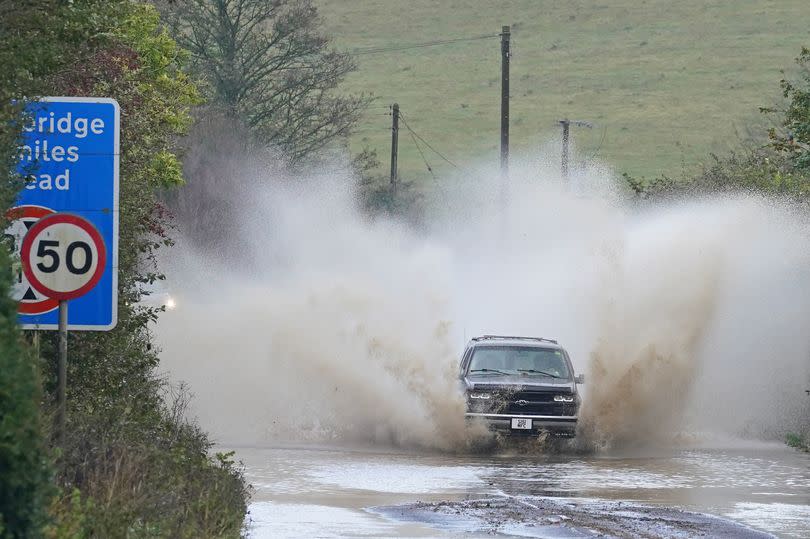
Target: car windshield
[{"x": 519, "y": 360}]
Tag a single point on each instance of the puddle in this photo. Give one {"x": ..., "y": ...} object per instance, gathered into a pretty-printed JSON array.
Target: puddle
[
  {"x": 402, "y": 478},
  {"x": 782, "y": 518},
  {"x": 335, "y": 492},
  {"x": 283, "y": 520}
]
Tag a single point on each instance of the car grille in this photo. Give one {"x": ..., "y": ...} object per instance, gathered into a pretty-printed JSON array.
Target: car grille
[
  {"x": 522, "y": 403},
  {"x": 538, "y": 408}
]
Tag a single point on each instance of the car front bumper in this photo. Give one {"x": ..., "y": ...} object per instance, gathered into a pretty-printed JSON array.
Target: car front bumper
[{"x": 502, "y": 423}]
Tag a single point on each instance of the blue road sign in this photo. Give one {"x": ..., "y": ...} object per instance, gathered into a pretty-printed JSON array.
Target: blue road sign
[{"x": 70, "y": 156}]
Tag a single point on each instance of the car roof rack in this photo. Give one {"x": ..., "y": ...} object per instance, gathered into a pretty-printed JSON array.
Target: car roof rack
[{"x": 512, "y": 337}]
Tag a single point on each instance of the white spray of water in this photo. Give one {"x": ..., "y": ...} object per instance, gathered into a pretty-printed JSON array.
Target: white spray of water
[{"x": 688, "y": 316}]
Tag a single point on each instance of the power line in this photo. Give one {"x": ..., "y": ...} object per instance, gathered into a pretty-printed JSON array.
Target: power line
[
  {"x": 422, "y": 154},
  {"x": 599, "y": 147},
  {"x": 413, "y": 133},
  {"x": 403, "y": 47}
]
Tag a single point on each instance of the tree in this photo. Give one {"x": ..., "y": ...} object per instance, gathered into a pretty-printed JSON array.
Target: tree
[
  {"x": 796, "y": 142},
  {"x": 268, "y": 64}
]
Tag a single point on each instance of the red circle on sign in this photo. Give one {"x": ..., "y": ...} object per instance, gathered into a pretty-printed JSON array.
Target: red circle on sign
[
  {"x": 38, "y": 228},
  {"x": 29, "y": 211},
  {"x": 18, "y": 212}
]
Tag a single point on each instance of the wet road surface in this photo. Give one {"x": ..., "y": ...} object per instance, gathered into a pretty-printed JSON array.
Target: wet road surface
[{"x": 340, "y": 492}]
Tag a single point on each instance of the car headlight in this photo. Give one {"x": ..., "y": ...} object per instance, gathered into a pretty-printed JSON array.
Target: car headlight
[
  {"x": 482, "y": 396},
  {"x": 563, "y": 398}
]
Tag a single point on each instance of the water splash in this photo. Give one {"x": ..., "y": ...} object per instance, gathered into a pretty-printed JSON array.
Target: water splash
[{"x": 335, "y": 327}]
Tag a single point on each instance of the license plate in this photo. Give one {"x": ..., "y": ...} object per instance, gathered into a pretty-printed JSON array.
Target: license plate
[{"x": 521, "y": 423}]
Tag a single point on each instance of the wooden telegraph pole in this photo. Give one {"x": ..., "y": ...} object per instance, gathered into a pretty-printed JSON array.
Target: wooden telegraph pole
[
  {"x": 505, "y": 36},
  {"x": 566, "y": 127},
  {"x": 394, "y": 148},
  {"x": 566, "y": 142}
]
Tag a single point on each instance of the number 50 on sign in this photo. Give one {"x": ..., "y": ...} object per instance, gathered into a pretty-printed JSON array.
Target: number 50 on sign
[{"x": 63, "y": 256}]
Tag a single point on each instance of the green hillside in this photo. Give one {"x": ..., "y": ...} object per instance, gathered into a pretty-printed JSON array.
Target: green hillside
[{"x": 665, "y": 81}]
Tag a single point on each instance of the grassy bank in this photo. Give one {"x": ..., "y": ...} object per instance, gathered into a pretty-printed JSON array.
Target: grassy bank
[{"x": 665, "y": 82}]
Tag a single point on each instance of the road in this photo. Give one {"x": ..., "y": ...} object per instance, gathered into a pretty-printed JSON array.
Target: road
[{"x": 356, "y": 492}]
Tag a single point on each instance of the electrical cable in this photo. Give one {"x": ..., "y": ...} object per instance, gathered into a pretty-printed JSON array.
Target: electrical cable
[
  {"x": 595, "y": 152},
  {"x": 437, "y": 152},
  {"x": 396, "y": 48},
  {"x": 421, "y": 153}
]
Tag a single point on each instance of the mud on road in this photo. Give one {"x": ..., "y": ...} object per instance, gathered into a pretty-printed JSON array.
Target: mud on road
[
  {"x": 316, "y": 491},
  {"x": 550, "y": 517}
]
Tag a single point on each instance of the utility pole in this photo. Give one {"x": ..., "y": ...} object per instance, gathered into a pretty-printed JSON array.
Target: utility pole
[
  {"x": 505, "y": 35},
  {"x": 566, "y": 136},
  {"x": 394, "y": 148},
  {"x": 566, "y": 125}
]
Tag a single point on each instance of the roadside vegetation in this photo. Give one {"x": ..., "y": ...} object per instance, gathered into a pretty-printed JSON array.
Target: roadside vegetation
[
  {"x": 213, "y": 81},
  {"x": 799, "y": 441},
  {"x": 131, "y": 464},
  {"x": 25, "y": 468}
]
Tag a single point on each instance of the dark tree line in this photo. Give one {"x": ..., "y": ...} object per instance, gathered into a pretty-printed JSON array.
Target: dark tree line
[{"x": 268, "y": 65}]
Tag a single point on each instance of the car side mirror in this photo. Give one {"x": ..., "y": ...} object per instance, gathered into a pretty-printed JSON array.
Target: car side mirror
[{"x": 579, "y": 379}]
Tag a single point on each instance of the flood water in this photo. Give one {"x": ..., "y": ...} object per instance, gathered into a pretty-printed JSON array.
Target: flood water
[
  {"x": 332, "y": 491},
  {"x": 683, "y": 315}
]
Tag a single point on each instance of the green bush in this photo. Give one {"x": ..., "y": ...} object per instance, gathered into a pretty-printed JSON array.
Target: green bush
[
  {"x": 147, "y": 477},
  {"x": 25, "y": 475},
  {"x": 760, "y": 170},
  {"x": 798, "y": 441}
]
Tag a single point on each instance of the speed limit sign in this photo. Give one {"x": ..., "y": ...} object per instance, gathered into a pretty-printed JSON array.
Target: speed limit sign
[{"x": 63, "y": 256}]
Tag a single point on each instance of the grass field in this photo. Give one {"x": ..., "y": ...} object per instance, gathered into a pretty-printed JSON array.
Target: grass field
[{"x": 664, "y": 81}]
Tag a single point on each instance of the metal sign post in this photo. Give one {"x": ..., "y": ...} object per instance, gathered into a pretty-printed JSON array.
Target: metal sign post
[
  {"x": 61, "y": 374},
  {"x": 63, "y": 257}
]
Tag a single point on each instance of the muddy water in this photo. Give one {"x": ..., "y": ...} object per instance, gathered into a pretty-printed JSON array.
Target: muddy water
[{"x": 332, "y": 492}]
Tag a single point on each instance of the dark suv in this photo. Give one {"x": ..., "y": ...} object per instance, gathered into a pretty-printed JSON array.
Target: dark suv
[{"x": 521, "y": 385}]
